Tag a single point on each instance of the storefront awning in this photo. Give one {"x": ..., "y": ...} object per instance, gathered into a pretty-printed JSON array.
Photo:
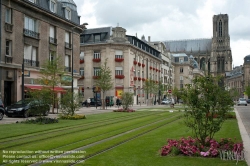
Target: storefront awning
[{"x": 39, "y": 87}]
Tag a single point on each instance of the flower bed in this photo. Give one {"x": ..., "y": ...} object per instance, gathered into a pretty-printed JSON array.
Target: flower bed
[
  {"x": 139, "y": 64},
  {"x": 95, "y": 77},
  {"x": 192, "y": 147},
  {"x": 119, "y": 59},
  {"x": 135, "y": 78},
  {"x": 81, "y": 61},
  {"x": 119, "y": 76},
  {"x": 122, "y": 110},
  {"x": 143, "y": 65},
  {"x": 73, "y": 117},
  {"x": 135, "y": 62},
  {"x": 40, "y": 120}
]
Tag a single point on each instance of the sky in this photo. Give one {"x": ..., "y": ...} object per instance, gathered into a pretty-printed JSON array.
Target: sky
[{"x": 171, "y": 19}]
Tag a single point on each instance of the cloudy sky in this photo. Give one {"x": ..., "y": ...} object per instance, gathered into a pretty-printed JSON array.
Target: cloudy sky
[{"x": 171, "y": 19}]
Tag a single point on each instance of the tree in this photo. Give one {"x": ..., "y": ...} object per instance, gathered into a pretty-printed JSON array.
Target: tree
[
  {"x": 40, "y": 101},
  {"x": 205, "y": 100},
  {"x": 51, "y": 72},
  {"x": 104, "y": 81},
  {"x": 151, "y": 88},
  {"x": 127, "y": 100},
  {"x": 247, "y": 90},
  {"x": 69, "y": 106}
]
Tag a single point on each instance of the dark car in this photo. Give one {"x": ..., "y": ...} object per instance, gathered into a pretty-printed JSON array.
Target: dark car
[
  {"x": 92, "y": 102},
  {"x": 1, "y": 109},
  {"x": 25, "y": 108},
  {"x": 248, "y": 101}
]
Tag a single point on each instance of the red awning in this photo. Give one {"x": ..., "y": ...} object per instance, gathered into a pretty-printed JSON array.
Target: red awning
[{"x": 39, "y": 87}]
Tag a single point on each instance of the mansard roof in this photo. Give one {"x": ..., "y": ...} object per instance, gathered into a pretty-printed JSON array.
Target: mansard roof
[{"x": 193, "y": 45}]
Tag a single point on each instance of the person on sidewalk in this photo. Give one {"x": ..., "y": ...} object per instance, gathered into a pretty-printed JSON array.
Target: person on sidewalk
[{"x": 88, "y": 102}]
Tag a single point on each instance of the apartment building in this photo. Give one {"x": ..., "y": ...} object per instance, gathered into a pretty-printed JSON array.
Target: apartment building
[
  {"x": 131, "y": 60},
  {"x": 32, "y": 32}
]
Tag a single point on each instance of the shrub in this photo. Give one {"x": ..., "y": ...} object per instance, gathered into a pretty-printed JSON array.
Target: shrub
[
  {"x": 72, "y": 117},
  {"x": 41, "y": 120},
  {"x": 124, "y": 110}
]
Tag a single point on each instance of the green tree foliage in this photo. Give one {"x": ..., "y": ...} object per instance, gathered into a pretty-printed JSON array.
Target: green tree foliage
[
  {"x": 40, "y": 101},
  {"x": 247, "y": 90},
  {"x": 69, "y": 106},
  {"x": 127, "y": 100},
  {"x": 205, "y": 100},
  {"x": 151, "y": 88},
  {"x": 52, "y": 72},
  {"x": 104, "y": 81}
]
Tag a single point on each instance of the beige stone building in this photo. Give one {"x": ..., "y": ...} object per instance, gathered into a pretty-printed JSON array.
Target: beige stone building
[
  {"x": 32, "y": 32},
  {"x": 130, "y": 59},
  {"x": 246, "y": 72}
]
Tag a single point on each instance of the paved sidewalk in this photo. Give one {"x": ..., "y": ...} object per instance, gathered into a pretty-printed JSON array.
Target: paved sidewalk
[{"x": 244, "y": 136}]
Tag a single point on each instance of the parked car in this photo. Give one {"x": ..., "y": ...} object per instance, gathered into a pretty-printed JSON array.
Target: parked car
[
  {"x": 242, "y": 101},
  {"x": 92, "y": 102},
  {"x": 248, "y": 101},
  {"x": 1, "y": 109},
  {"x": 24, "y": 108},
  {"x": 165, "y": 101},
  {"x": 109, "y": 100}
]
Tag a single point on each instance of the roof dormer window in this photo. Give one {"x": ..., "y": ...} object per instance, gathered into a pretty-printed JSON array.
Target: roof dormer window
[
  {"x": 67, "y": 13},
  {"x": 52, "y": 6}
]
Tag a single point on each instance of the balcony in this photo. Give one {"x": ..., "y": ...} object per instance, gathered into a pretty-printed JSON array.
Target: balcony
[
  {"x": 8, "y": 27},
  {"x": 28, "y": 62},
  {"x": 67, "y": 69},
  {"x": 52, "y": 40},
  {"x": 30, "y": 33},
  {"x": 8, "y": 59},
  {"x": 68, "y": 45}
]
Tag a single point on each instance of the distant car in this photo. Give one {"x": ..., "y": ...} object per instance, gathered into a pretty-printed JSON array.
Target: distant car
[
  {"x": 21, "y": 108},
  {"x": 165, "y": 101},
  {"x": 242, "y": 101},
  {"x": 92, "y": 102},
  {"x": 1, "y": 109},
  {"x": 248, "y": 101}
]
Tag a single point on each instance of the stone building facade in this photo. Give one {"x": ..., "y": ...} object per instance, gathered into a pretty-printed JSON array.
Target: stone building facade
[
  {"x": 32, "y": 32},
  {"x": 212, "y": 55},
  {"x": 130, "y": 59}
]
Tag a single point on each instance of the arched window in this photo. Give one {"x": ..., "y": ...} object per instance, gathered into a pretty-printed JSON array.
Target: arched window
[{"x": 220, "y": 28}]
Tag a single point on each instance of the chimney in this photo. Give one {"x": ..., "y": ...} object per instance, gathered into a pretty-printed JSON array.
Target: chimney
[{"x": 148, "y": 38}]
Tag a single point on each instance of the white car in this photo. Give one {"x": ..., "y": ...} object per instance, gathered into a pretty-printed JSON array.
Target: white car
[
  {"x": 165, "y": 101},
  {"x": 242, "y": 101}
]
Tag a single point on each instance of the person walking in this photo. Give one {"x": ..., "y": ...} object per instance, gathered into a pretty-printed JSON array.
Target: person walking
[{"x": 88, "y": 102}]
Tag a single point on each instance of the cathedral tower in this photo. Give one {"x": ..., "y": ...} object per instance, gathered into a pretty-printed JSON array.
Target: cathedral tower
[{"x": 221, "y": 57}]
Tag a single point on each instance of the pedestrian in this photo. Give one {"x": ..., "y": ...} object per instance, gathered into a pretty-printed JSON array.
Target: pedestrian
[
  {"x": 118, "y": 102},
  {"x": 88, "y": 102}
]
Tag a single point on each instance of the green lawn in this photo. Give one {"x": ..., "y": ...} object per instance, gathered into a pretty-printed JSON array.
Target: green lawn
[{"x": 127, "y": 139}]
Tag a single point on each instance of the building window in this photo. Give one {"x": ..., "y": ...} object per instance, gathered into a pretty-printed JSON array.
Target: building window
[
  {"x": 52, "y": 35},
  {"x": 52, "y": 55},
  {"x": 30, "y": 27},
  {"x": 97, "y": 38},
  {"x": 142, "y": 74},
  {"x": 181, "y": 82},
  {"x": 81, "y": 71},
  {"x": 67, "y": 40},
  {"x": 119, "y": 54},
  {"x": 67, "y": 13},
  {"x": 181, "y": 69},
  {"x": 52, "y": 6},
  {"x": 33, "y": 1},
  {"x": 138, "y": 73},
  {"x": 96, "y": 71},
  {"x": 8, "y": 15},
  {"x": 81, "y": 55},
  {"x": 67, "y": 63},
  {"x": 30, "y": 55},
  {"x": 8, "y": 47},
  {"x": 97, "y": 55},
  {"x": 220, "y": 28},
  {"x": 118, "y": 71}
]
